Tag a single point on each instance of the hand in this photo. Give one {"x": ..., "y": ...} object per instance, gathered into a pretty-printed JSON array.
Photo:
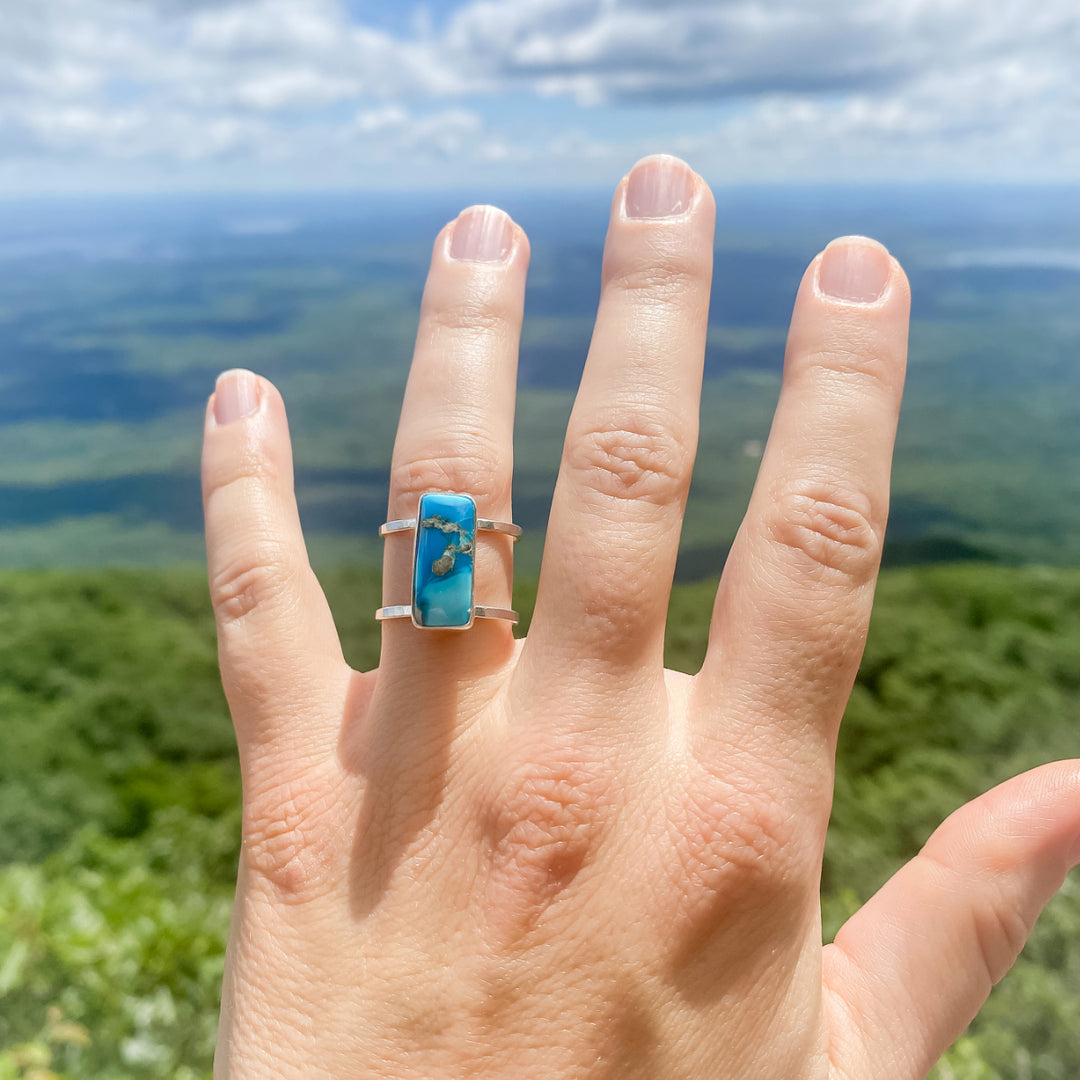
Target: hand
[{"x": 553, "y": 858}]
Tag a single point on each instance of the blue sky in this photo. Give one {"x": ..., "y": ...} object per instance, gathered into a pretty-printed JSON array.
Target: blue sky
[{"x": 123, "y": 95}]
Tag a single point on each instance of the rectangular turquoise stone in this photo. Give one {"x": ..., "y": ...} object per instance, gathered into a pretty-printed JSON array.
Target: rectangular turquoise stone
[{"x": 443, "y": 561}]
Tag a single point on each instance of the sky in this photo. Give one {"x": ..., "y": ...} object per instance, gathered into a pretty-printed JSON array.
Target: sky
[{"x": 238, "y": 95}]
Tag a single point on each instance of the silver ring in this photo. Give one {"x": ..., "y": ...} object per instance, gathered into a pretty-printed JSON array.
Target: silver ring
[
  {"x": 404, "y": 611},
  {"x": 483, "y": 524},
  {"x": 444, "y": 543}
]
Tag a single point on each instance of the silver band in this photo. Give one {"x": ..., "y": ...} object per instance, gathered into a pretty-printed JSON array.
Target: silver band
[
  {"x": 404, "y": 524},
  {"x": 404, "y": 611}
]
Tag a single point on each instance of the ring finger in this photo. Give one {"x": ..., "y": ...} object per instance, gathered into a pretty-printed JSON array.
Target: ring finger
[{"x": 456, "y": 431}]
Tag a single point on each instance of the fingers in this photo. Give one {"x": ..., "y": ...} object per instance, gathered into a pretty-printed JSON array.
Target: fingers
[
  {"x": 794, "y": 601},
  {"x": 909, "y": 971},
  {"x": 281, "y": 662},
  {"x": 617, "y": 511},
  {"x": 456, "y": 428}
]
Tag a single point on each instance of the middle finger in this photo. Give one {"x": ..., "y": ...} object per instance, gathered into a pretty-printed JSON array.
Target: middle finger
[{"x": 617, "y": 511}]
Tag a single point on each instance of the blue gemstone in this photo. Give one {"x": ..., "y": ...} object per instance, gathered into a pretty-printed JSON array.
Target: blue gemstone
[{"x": 443, "y": 567}]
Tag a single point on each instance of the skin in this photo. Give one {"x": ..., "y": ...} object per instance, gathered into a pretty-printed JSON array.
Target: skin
[{"x": 553, "y": 858}]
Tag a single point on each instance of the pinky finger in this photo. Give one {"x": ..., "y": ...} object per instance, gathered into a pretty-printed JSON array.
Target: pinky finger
[
  {"x": 908, "y": 972},
  {"x": 281, "y": 662}
]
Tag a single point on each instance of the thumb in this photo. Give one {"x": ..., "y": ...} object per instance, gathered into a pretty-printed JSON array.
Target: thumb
[{"x": 908, "y": 972}]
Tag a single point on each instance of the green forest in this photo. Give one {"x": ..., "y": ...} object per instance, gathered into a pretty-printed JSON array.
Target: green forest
[{"x": 119, "y": 798}]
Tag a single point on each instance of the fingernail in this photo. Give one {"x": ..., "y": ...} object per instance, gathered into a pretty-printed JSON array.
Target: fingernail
[
  {"x": 235, "y": 396},
  {"x": 659, "y": 187},
  {"x": 854, "y": 270},
  {"x": 482, "y": 234}
]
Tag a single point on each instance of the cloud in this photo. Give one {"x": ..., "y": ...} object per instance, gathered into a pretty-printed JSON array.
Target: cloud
[
  {"x": 262, "y": 54},
  {"x": 997, "y": 119},
  {"x": 139, "y": 132},
  {"x": 834, "y": 87},
  {"x": 128, "y": 79},
  {"x": 659, "y": 50},
  {"x": 396, "y": 130}
]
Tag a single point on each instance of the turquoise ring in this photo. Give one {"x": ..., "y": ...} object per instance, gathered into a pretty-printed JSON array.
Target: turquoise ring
[{"x": 444, "y": 543}]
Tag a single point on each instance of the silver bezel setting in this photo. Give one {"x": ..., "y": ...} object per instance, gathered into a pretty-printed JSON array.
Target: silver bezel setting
[{"x": 476, "y": 611}]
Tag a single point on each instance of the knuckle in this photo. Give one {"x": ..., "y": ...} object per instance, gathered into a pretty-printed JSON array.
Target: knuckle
[
  {"x": 293, "y": 836},
  {"x": 245, "y": 478},
  {"x": 1001, "y": 931},
  {"x": 477, "y": 314},
  {"x": 540, "y": 827},
  {"x": 854, "y": 360},
  {"x": 731, "y": 829},
  {"x": 255, "y": 577},
  {"x": 666, "y": 277},
  {"x": 734, "y": 850},
  {"x": 998, "y": 922},
  {"x": 645, "y": 460},
  {"x": 829, "y": 528},
  {"x": 477, "y": 469}
]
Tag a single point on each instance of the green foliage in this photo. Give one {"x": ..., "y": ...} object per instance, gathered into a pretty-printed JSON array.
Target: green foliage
[
  {"x": 971, "y": 674},
  {"x": 119, "y": 798},
  {"x": 113, "y": 951},
  {"x": 111, "y": 705},
  {"x": 964, "y": 1062}
]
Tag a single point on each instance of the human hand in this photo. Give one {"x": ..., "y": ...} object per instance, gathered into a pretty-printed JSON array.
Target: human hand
[{"x": 553, "y": 858}]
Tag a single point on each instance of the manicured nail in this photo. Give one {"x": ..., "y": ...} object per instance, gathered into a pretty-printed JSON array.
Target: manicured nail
[
  {"x": 235, "y": 396},
  {"x": 659, "y": 187},
  {"x": 482, "y": 234},
  {"x": 854, "y": 270}
]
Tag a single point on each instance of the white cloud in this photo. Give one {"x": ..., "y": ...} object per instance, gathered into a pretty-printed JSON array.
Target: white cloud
[
  {"x": 825, "y": 88},
  {"x": 126, "y": 80},
  {"x": 441, "y": 134},
  {"x": 74, "y": 131},
  {"x": 995, "y": 120},
  {"x": 376, "y": 121},
  {"x": 635, "y": 50},
  {"x": 263, "y": 54},
  {"x": 834, "y": 88}
]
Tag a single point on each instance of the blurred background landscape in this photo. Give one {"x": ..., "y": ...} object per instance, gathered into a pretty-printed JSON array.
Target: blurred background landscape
[
  {"x": 187, "y": 187},
  {"x": 116, "y": 315}
]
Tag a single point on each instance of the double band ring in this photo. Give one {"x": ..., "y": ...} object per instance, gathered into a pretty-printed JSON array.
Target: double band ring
[{"x": 444, "y": 543}]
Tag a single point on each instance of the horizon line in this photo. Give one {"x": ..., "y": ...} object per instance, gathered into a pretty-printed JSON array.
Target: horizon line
[{"x": 551, "y": 190}]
